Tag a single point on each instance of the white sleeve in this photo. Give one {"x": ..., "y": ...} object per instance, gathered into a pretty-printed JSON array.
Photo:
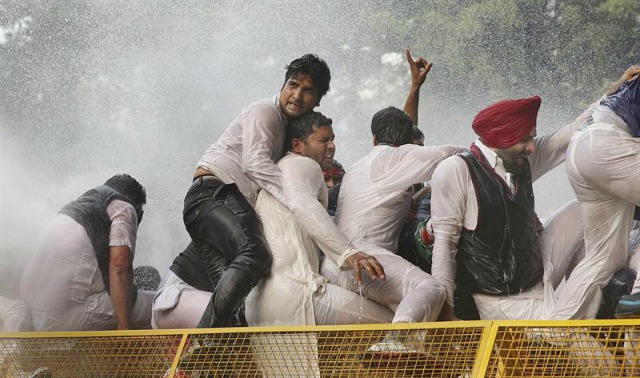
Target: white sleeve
[
  {"x": 551, "y": 149},
  {"x": 263, "y": 132},
  {"x": 303, "y": 184},
  {"x": 415, "y": 165},
  {"x": 449, "y": 190},
  {"x": 124, "y": 224}
]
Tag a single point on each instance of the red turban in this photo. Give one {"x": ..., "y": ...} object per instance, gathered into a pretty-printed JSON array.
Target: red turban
[{"x": 505, "y": 123}]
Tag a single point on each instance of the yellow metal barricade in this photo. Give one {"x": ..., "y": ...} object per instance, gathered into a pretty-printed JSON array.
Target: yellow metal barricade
[{"x": 445, "y": 349}]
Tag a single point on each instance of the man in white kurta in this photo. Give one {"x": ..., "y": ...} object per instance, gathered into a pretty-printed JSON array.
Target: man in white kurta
[
  {"x": 372, "y": 207},
  {"x": 455, "y": 208},
  {"x": 603, "y": 163},
  {"x": 295, "y": 293}
]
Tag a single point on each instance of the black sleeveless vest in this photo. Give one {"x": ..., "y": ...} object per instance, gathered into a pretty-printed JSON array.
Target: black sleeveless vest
[
  {"x": 90, "y": 211},
  {"x": 502, "y": 255}
]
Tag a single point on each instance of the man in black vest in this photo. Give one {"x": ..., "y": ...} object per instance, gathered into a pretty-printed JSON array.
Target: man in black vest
[
  {"x": 82, "y": 277},
  {"x": 488, "y": 240}
]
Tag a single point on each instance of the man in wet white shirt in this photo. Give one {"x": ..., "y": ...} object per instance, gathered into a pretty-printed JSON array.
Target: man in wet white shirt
[
  {"x": 372, "y": 207},
  {"x": 228, "y": 254},
  {"x": 82, "y": 277},
  {"x": 603, "y": 164},
  {"x": 295, "y": 293},
  {"x": 488, "y": 241}
]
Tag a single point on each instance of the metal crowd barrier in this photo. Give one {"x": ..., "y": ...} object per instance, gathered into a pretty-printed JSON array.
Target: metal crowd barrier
[{"x": 594, "y": 348}]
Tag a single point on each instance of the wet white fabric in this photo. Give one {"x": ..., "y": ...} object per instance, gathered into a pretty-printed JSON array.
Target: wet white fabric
[
  {"x": 15, "y": 316},
  {"x": 560, "y": 240},
  {"x": 375, "y": 194},
  {"x": 178, "y": 304},
  {"x": 63, "y": 285},
  {"x": 296, "y": 293},
  {"x": 603, "y": 164},
  {"x": 373, "y": 204},
  {"x": 634, "y": 256},
  {"x": 247, "y": 151},
  {"x": 454, "y": 204}
]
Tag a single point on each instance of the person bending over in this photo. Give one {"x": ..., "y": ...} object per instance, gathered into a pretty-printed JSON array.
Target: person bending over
[
  {"x": 82, "y": 277},
  {"x": 603, "y": 163}
]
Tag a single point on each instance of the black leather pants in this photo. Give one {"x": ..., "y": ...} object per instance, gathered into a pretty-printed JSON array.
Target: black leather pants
[{"x": 232, "y": 253}]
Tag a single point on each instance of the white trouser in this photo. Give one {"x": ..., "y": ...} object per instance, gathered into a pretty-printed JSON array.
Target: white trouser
[
  {"x": 335, "y": 305},
  {"x": 15, "y": 316},
  {"x": 413, "y": 294},
  {"x": 603, "y": 163},
  {"x": 634, "y": 257},
  {"x": 560, "y": 241},
  {"x": 177, "y": 304},
  {"x": 296, "y": 354}
]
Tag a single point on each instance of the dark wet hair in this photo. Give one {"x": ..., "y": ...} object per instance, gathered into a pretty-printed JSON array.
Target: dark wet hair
[
  {"x": 392, "y": 126},
  {"x": 302, "y": 127},
  {"x": 416, "y": 133},
  {"x": 128, "y": 187},
  {"x": 313, "y": 66}
]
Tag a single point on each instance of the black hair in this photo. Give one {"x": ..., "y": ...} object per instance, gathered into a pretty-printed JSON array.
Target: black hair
[
  {"x": 301, "y": 127},
  {"x": 130, "y": 188},
  {"x": 313, "y": 66},
  {"x": 338, "y": 166},
  {"x": 416, "y": 133},
  {"x": 392, "y": 126}
]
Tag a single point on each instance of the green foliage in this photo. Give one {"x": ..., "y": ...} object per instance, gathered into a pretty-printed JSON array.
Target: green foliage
[{"x": 491, "y": 49}]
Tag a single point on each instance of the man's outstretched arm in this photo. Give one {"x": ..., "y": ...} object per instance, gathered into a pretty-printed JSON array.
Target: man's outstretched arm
[{"x": 419, "y": 70}]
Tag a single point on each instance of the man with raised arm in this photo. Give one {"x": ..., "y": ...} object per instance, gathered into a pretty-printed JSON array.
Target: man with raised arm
[
  {"x": 372, "y": 207},
  {"x": 603, "y": 163}
]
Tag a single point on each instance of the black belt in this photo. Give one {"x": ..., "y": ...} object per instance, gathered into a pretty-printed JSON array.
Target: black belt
[{"x": 203, "y": 178}]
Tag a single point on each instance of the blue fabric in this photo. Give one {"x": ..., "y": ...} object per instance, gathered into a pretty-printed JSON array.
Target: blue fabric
[{"x": 626, "y": 104}]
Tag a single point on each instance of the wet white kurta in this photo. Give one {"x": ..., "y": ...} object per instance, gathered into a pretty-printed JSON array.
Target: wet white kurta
[
  {"x": 603, "y": 163},
  {"x": 373, "y": 204},
  {"x": 286, "y": 296}
]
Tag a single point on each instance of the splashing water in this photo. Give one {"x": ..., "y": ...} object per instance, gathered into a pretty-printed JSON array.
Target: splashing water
[{"x": 100, "y": 89}]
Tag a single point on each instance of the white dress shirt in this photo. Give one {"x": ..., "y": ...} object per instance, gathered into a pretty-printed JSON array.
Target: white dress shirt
[
  {"x": 375, "y": 194},
  {"x": 247, "y": 151}
]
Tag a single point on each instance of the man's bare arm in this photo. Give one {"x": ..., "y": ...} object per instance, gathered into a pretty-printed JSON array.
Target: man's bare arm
[
  {"x": 629, "y": 74},
  {"x": 419, "y": 70},
  {"x": 121, "y": 283}
]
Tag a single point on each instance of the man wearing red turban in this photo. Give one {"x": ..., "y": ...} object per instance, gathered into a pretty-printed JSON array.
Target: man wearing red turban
[
  {"x": 505, "y": 123},
  {"x": 488, "y": 241}
]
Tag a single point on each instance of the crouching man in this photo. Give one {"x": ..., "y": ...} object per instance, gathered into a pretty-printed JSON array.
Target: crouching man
[{"x": 82, "y": 277}]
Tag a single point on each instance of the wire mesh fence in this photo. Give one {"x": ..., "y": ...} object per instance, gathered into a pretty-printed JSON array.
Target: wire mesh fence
[{"x": 451, "y": 349}]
